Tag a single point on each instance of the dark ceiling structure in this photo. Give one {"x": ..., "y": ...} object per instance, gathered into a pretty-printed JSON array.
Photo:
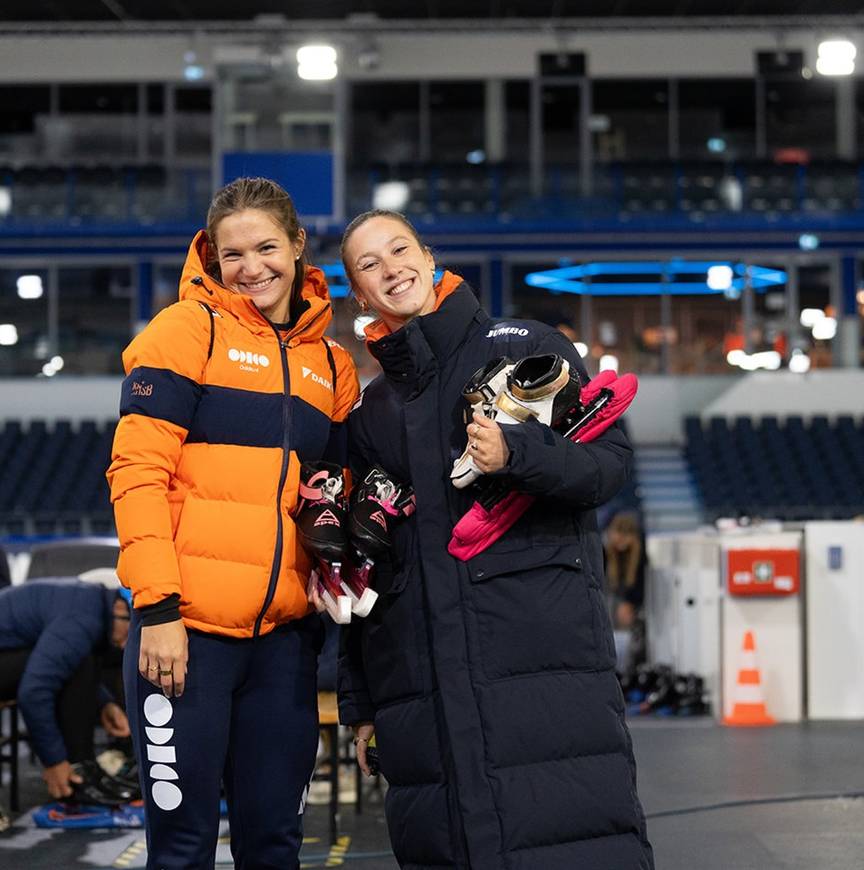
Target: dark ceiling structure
[{"x": 130, "y": 11}]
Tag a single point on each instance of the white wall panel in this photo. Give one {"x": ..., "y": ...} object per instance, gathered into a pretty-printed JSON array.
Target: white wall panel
[{"x": 835, "y": 619}]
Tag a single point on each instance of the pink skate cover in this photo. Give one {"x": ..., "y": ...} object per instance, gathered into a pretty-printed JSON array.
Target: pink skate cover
[{"x": 480, "y": 528}]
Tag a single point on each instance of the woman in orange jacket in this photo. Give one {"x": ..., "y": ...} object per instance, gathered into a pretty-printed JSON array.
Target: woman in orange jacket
[{"x": 227, "y": 392}]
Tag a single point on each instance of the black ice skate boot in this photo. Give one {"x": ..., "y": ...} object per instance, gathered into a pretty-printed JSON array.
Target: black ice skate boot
[
  {"x": 376, "y": 504},
  {"x": 321, "y": 523}
]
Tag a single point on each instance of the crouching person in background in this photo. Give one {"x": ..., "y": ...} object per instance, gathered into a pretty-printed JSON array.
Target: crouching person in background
[{"x": 53, "y": 638}]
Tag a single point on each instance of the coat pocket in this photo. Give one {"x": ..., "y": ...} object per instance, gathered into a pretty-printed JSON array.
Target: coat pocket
[{"x": 538, "y": 610}]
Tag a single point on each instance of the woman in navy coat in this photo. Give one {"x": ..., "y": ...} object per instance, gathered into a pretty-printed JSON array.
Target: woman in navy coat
[{"x": 489, "y": 684}]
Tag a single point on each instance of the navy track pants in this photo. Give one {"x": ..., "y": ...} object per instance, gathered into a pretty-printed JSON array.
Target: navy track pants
[{"x": 248, "y": 717}]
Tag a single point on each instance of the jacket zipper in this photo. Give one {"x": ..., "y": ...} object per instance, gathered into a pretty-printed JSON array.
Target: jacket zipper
[{"x": 286, "y": 450}]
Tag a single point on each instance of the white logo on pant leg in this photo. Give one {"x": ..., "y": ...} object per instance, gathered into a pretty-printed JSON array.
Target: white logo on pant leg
[{"x": 158, "y": 712}]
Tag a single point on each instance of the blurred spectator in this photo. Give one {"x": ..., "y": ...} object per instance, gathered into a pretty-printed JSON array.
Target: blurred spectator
[
  {"x": 54, "y": 636},
  {"x": 626, "y": 563}
]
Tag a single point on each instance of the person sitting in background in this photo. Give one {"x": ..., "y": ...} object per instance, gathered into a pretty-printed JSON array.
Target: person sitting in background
[
  {"x": 54, "y": 635},
  {"x": 626, "y": 562}
]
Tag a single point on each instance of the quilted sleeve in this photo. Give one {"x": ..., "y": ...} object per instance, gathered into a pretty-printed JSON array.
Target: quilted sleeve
[{"x": 164, "y": 367}]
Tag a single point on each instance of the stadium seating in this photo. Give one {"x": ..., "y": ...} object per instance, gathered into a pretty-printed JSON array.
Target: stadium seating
[
  {"x": 791, "y": 470},
  {"x": 54, "y": 480}
]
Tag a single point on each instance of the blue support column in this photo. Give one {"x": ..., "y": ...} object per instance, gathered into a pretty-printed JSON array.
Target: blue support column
[{"x": 848, "y": 322}]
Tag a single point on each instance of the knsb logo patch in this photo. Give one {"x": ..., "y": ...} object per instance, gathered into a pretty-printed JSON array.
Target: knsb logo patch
[
  {"x": 308, "y": 373},
  {"x": 141, "y": 389},
  {"x": 158, "y": 712}
]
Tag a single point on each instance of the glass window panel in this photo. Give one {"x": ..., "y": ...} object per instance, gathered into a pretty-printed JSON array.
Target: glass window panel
[
  {"x": 456, "y": 114},
  {"x": 800, "y": 114},
  {"x": 94, "y": 317},
  {"x": 193, "y": 99},
  {"x": 517, "y": 100},
  {"x": 166, "y": 285},
  {"x": 155, "y": 99},
  {"x": 192, "y": 124},
  {"x": 723, "y": 109},
  {"x": 29, "y": 317},
  {"x": 95, "y": 123},
  {"x": 385, "y": 123},
  {"x": 561, "y": 123},
  {"x": 89, "y": 99},
  {"x": 630, "y": 119},
  {"x": 814, "y": 291}
]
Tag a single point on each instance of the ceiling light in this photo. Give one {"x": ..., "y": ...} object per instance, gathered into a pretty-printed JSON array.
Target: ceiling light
[
  {"x": 391, "y": 195},
  {"x": 811, "y": 316},
  {"x": 719, "y": 277},
  {"x": 317, "y": 63},
  {"x": 799, "y": 362},
  {"x": 608, "y": 362},
  {"x": 836, "y": 58},
  {"x": 825, "y": 329},
  {"x": 8, "y": 334},
  {"x": 30, "y": 287}
]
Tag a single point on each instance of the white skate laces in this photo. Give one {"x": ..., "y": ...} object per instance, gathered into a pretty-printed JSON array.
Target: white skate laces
[{"x": 537, "y": 387}]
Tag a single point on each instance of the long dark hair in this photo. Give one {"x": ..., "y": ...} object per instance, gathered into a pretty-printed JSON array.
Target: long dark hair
[{"x": 262, "y": 194}]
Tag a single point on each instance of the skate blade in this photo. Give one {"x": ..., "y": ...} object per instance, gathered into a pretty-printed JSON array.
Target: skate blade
[{"x": 366, "y": 602}]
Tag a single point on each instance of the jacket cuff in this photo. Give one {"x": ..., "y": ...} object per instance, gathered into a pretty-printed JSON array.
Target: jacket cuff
[
  {"x": 166, "y": 610},
  {"x": 354, "y": 710}
]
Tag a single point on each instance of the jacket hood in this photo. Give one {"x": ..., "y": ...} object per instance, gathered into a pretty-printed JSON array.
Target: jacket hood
[
  {"x": 196, "y": 284},
  {"x": 447, "y": 285}
]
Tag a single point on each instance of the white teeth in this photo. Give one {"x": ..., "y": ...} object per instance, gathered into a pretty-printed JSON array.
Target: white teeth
[
  {"x": 400, "y": 288},
  {"x": 258, "y": 285}
]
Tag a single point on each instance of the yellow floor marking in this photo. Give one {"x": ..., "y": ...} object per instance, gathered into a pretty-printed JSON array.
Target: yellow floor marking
[
  {"x": 336, "y": 858},
  {"x": 128, "y": 855}
]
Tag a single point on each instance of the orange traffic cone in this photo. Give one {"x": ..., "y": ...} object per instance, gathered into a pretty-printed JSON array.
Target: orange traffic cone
[{"x": 749, "y": 701}]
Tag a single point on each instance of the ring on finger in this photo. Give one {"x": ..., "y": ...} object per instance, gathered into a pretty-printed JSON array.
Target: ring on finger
[{"x": 165, "y": 673}]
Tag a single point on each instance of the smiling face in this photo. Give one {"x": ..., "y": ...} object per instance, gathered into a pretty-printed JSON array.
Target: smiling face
[
  {"x": 390, "y": 270},
  {"x": 258, "y": 259}
]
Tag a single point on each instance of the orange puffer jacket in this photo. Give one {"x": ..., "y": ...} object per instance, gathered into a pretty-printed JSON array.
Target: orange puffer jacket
[{"x": 217, "y": 413}]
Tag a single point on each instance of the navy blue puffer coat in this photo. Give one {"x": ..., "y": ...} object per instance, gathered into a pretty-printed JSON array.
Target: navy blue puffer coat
[
  {"x": 491, "y": 683},
  {"x": 63, "y": 622}
]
